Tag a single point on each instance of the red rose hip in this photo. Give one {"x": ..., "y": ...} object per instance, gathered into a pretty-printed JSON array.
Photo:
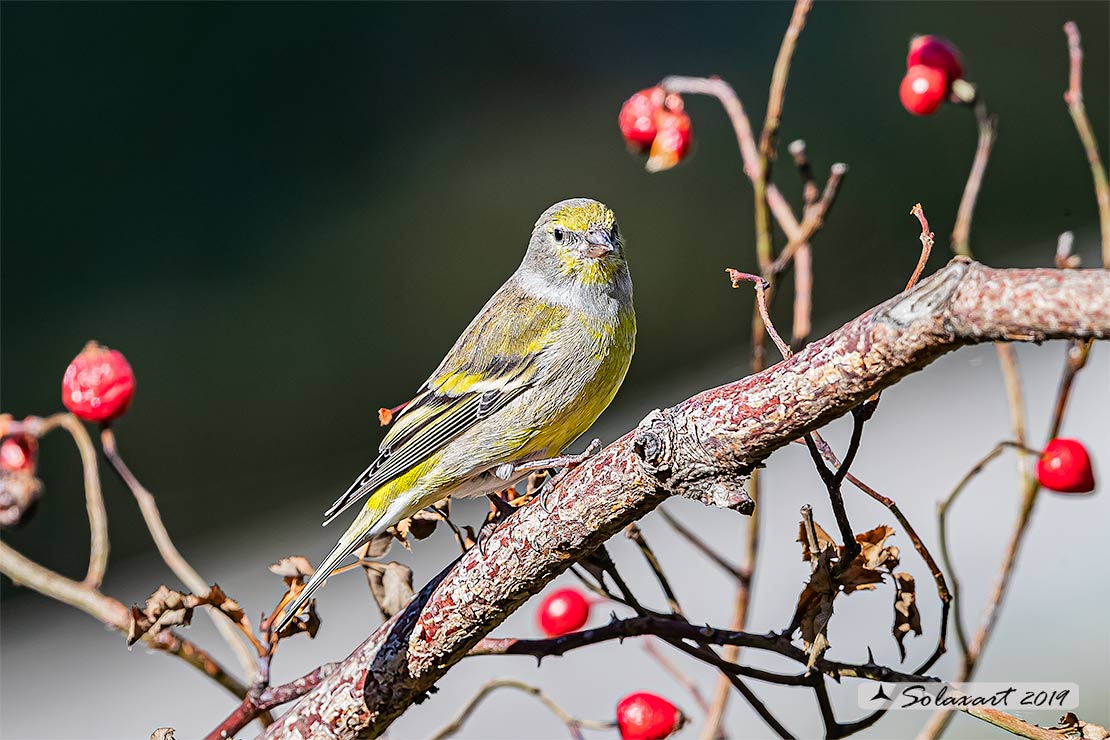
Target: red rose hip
[
  {"x": 1065, "y": 467},
  {"x": 672, "y": 141},
  {"x": 563, "y": 611},
  {"x": 637, "y": 117},
  {"x": 923, "y": 90},
  {"x": 938, "y": 53},
  {"x": 98, "y": 385},
  {"x": 644, "y": 716}
]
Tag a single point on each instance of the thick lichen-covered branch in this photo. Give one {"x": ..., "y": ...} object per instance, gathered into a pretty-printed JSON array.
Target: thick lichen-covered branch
[{"x": 702, "y": 449}]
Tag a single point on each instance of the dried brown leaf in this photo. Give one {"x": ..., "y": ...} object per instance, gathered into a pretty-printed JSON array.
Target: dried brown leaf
[
  {"x": 815, "y": 606},
  {"x": 391, "y": 586},
  {"x": 379, "y": 546},
  {"x": 906, "y": 617},
  {"x": 307, "y": 622},
  {"x": 163, "y": 733},
  {"x": 168, "y": 608},
  {"x": 293, "y": 566},
  {"x": 823, "y": 539}
]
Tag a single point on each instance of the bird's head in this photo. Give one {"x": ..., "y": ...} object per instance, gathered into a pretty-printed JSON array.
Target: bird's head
[{"x": 578, "y": 239}]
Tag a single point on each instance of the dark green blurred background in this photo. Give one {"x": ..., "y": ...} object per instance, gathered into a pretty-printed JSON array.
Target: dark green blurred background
[{"x": 284, "y": 214}]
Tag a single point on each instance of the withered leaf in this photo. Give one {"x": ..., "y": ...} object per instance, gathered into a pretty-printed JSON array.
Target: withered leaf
[
  {"x": 379, "y": 546},
  {"x": 823, "y": 539},
  {"x": 906, "y": 617},
  {"x": 391, "y": 586},
  {"x": 293, "y": 566},
  {"x": 162, "y": 733},
  {"x": 815, "y": 607},
  {"x": 307, "y": 622},
  {"x": 168, "y": 608}
]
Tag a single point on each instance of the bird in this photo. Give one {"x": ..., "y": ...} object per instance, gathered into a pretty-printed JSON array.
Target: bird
[{"x": 528, "y": 376}]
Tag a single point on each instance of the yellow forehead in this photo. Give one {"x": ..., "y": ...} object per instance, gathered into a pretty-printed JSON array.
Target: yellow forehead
[{"x": 581, "y": 216}]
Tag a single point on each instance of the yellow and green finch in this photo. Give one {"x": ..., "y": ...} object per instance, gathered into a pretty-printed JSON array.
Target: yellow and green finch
[{"x": 531, "y": 373}]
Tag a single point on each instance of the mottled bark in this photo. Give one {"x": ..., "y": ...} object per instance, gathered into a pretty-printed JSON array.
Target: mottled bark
[{"x": 702, "y": 449}]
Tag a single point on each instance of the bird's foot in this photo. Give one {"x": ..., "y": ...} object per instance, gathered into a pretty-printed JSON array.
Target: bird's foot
[
  {"x": 508, "y": 471},
  {"x": 566, "y": 463}
]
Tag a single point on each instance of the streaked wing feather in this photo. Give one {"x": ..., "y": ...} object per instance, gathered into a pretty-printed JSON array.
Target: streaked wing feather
[{"x": 493, "y": 362}]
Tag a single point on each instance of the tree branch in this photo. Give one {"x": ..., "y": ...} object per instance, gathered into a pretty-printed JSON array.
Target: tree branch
[{"x": 702, "y": 449}]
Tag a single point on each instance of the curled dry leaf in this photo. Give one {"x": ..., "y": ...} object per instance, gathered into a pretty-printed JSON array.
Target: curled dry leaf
[
  {"x": 815, "y": 607},
  {"x": 163, "y": 733},
  {"x": 391, "y": 585},
  {"x": 906, "y": 617},
  {"x": 293, "y": 568},
  {"x": 168, "y": 608},
  {"x": 872, "y": 563},
  {"x": 307, "y": 622},
  {"x": 420, "y": 525}
]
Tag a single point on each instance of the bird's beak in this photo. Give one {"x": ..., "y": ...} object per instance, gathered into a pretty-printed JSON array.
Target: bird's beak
[{"x": 599, "y": 244}]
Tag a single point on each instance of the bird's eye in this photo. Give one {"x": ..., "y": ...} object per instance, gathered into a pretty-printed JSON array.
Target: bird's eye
[
  {"x": 558, "y": 234},
  {"x": 613, "y": 234}
]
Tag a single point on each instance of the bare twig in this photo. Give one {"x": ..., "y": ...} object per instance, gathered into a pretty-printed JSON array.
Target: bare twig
[
  {"x": 259, "y": 701},
  {"x": 636, "y": 535},
  {"x": 926, "y": 244},
  {"x": 767, "y": 139},
  {"x": 813, "y": 220},
  {"x": 961, "y": 232},
  {"x": 173, "y": 558},
  {"x": 761, "y": 287},
  {"x": 942, "y": 531},
  {"x": 574, "y": 725},
  {"x": 687, "y": 683},
  {"x": 35, "y": 426},
  {"x": 1074, "y": 98},
  {"x": 734, "y": 571}
]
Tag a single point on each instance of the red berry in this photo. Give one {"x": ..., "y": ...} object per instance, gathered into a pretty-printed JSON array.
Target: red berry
[
  {"x": 98, "y": 384},
  {"x": 938, "y": 53},
  {"x": 923, "y": 90},
  {"x": 637, "y": 117},
  {"x": 1065, "y": 467},
  {"x": 17, "y": 453},
  {"x": 672, "y": 142},
  {"x": 644, "y": 716},
  {"x": 563, "y": 611}
]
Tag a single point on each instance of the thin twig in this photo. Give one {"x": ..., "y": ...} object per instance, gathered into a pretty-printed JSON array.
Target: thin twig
[
  {"x": 961, "y": 232},
  {"x": 767, "y": 139},
  {"x": 761, "y": 288},
  {"x": 259, "y": 701},
  {"x": 942, "y": 532},
  {"x": 926, "y": 244},
  {"x": 636, "y": 535},
  {"x": 574, "y": 725},
  {"x": 1074, "y": 98},
  {"x": 687, "y": 683},
  {"x": 687, "y": 534},
  {"x": 173, "y": 558},
  {"x": 814, "y": 218},
  {"x": 36, "y": 426}
]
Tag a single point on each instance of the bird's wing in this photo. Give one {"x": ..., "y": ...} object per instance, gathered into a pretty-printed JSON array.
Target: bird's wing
[{"x": 494, "y": 361}]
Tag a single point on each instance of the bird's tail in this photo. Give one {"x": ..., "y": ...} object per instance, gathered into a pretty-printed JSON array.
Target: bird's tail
[{"x": 370, "y": 522}]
